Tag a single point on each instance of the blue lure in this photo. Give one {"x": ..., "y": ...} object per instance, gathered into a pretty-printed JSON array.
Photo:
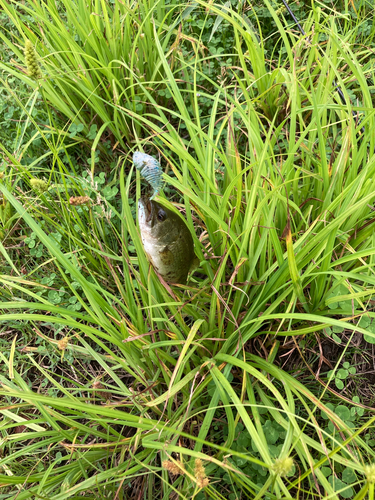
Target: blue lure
[{"x": 150, "y": 169}]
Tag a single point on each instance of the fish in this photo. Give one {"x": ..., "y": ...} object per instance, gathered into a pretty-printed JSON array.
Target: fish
[
  {"x": 150, "y": 170},
  {"x": 166, "y": 240}
]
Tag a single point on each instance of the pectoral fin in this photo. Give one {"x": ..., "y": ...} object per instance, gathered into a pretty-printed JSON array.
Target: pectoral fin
[
  {"x": 166, "y": 256},
  {"x": 194, "y": 264}
]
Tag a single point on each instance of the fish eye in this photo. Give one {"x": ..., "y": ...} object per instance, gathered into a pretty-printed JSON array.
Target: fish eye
[{"x": 161, "y": 215}]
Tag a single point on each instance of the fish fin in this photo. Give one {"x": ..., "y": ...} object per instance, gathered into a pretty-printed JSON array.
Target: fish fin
[
  {"x": 166, "y": 256},
  {"x": 194, "y": 264}
]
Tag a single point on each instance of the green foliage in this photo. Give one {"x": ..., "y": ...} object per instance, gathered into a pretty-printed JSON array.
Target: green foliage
[
  {"x": 93, "y": 56},
  {"x": 341, "y": 374},
  {"x": 120, "y": 381},
  {"x": 75, "y": 129}
]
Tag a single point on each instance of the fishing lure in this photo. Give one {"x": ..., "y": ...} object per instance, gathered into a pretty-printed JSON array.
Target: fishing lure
[{"x": 150, "y": 169}]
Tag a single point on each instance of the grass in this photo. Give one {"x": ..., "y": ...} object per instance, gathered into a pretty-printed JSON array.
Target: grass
[{"x": 114, "y": 386}]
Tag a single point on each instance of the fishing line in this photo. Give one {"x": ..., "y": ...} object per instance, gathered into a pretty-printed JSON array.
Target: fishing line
[{"x": 294, "y": 17}]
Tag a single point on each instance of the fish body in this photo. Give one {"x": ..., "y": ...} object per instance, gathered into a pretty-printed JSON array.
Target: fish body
[
  {"x": 150, "y": 169},
  {"x": 167, "y": 241}
]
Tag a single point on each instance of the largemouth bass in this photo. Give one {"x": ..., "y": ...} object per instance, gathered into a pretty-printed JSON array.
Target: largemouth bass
[{"x": 167, "y": 241}]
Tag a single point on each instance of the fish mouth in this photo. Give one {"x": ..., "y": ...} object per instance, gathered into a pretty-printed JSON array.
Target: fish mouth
[{"x": 148, "y": 206}]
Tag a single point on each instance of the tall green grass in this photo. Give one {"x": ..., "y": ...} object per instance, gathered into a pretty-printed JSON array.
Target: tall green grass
[
  {"x": 277, "y": 188},
  {"x": 93, "y": 55}
]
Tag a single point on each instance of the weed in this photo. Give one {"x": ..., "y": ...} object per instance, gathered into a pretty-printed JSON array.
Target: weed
[{"x": 120, "y": 382}]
